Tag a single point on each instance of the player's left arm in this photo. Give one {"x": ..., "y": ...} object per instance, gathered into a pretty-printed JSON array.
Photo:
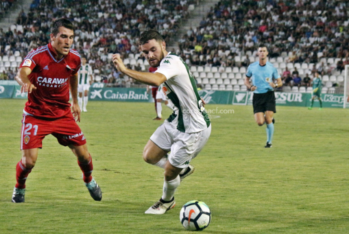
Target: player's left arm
[
  {"x": 145, "y": 77},
  {"x": 74, "y": 93}
]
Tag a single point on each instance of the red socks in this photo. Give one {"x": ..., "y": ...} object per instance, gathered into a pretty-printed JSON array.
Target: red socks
[
  {"x": 86, "y": 169},
  {"x": 21, "y": 175}
]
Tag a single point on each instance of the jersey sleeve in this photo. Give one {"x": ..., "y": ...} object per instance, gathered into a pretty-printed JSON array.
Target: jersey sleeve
[
  {"x": 249, "y": 72},
  {"x": 30, "y": 60},
  {"x": 276, "y": 74},
  {"x": 168, "y": 67}
]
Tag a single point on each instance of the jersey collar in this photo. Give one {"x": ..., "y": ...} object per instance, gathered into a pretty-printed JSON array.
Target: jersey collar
[{"x": 53, "y": 53}]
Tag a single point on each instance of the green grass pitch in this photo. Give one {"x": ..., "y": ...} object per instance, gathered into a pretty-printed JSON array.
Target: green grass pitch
[{"x": 300, "y": 185}]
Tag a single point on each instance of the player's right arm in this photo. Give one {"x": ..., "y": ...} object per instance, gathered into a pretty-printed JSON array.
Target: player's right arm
[
  {"x": 247, "y": 80},
  {"x": 23, "y": 80}
]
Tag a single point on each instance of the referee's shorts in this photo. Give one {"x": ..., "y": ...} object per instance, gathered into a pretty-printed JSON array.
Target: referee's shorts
[{"x": 263, "y": 102}]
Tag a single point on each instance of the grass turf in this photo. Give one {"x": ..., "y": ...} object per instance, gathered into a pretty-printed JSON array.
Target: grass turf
[{"x": 300, "y": 185}]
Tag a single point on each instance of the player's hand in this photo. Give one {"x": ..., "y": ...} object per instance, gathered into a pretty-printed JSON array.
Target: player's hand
[
  {"x": 203, "y": 102},
  {"x": 25, "y": 87},
  {"x": 118, "y": 63},
  {"x": 272, "y": 84},
  {"x": 75, "y": 109},
  {"x": 253, "y": 88}
]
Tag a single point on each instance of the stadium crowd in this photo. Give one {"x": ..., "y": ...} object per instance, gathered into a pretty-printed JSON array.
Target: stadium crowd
[
  {"x": 300, "y": 34},
  {"x": 103, "y": 28}
]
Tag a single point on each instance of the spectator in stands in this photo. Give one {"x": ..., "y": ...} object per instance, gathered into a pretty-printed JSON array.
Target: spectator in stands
[
  {"x": 292, "y": 58},
  {"x": 322, "y": 68},
  {"x": 286, "y": 73},
  {"x": 340, "y": 66},
  {"x": 295, "y": 72},
  {"x": 307, "y": 81},
  {"x": 297, "y": 81},
  {"x": 3, "y": 76},
  {"x": 246, "y": 61}
]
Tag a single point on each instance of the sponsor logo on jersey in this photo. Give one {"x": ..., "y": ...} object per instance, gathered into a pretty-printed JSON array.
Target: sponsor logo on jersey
[
  {"x": 26, "y": 139},
  {"x": 46, "y": 67},
  {"x": 51, "y": 82},
  {"x": 76, "y": 136},
  {"x": 27, "y": 63},
  {"x": 166, "y": 61}
]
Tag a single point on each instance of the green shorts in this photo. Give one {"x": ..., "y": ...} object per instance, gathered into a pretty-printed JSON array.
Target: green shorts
[{"x": 317, "y": 93}]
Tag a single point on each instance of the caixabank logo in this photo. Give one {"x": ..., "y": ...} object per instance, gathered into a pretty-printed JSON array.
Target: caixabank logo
[{"x": 240, "y": 98}]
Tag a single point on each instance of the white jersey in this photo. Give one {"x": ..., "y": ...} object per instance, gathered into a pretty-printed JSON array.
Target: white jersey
[
  {"x": 181, "y": 88},
  {"x": 84, "y": 74}
]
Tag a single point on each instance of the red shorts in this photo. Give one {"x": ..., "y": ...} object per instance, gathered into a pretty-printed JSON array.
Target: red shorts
[{"x": 65, "y": 129}]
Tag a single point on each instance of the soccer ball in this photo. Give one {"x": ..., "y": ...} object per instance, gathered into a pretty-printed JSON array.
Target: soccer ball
[{"x": 195, "y": 215}]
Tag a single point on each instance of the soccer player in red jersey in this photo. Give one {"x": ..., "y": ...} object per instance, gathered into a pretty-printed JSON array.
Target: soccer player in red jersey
[{"x": 47, "y": 74}]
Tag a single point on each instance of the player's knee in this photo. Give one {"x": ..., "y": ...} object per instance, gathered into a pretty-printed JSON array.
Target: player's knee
[
  {"x": 170, "y": 175},
  {"x": 260, "y": 123},
  {"x": 147, "y": 158},
  {"x": 28, "y": 163}
]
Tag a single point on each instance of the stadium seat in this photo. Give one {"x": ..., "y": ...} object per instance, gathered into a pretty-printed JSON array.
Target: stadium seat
[
  {"x": 209, "y": 75},
  {"x": 330, "y": 60},
  {"x": 304, "y": 66},
  {"x": 236, "y": 87},
  {"x": 196, "y": 74},
  {"x": 332, "y": 90},
  {"x": 294, "y": 89},
  {"x": 207, "y": 69},
  {"x": 146, "y": 63},
  {"x": 212, "y": 81},
  {"x": 228, "y": 70},
  {"x": 221, "y": 87},
  {"x": 200, "y": 69},
  {"x": 286, "y": 89},
  {"x": 214, "y": 69},
  {"x": 236, "y": 70},
  {"x": 214, "y": 87},
  {"x": 282, "y": 65},
  {"x": 279, "y": 59},
  {"x": 224, "y": 75},
  {"x": 217, "y": 75},
  {"x": 297, "y": 65},
  {"x": 302, "y": 90},
  {"x": 205, "y": 81},
  {"x": 241, "y": 82},
  {"x": 226, "y": 81},
  {"x": 324, "y": 90},
  {"x": 228, "y": 87},
  {"x": 98, "y": 78},
  {"x": 242, "y": 69},
  {"x": 208, "y": 86},
  {"x": 243, "y": 88},
  {"x": 328, "y": 84},
  {"x": 238, "y": 76},
  {"x": 5, "y": 58},
  {"x": 325, "y": 78},
  {"x": 309, "y": 90},
  {"x": 198, "y": 80},
  {"x": 126, "y": 61},
  {"x": 203, "y": 74},
  {"x": 333, "y": 79},
  {"x": 219, "y": 81},
  {"x": 231, "y": 76},
  {"x": 193, "y": 69}
]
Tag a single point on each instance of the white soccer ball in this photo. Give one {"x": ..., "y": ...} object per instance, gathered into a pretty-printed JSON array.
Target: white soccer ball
[{"x": 195, "y": 215}]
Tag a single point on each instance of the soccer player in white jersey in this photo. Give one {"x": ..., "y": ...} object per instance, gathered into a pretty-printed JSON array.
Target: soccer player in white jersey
[
  {"x": 85, "y": 78},
  {"x": 162, "y": 97},
  {"x": 186, "y": 131}
]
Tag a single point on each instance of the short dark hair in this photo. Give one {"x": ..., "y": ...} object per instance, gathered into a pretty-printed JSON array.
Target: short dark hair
[
  {"x": 61, "y": 23},
  {"x": 149, "y": 35},
  {"x": 262, "y": 45}
]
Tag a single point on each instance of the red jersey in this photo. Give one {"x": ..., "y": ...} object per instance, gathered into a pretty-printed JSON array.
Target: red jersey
[
  {"x": 51, "y": 78},
  {"x": 152, "y": 70}
]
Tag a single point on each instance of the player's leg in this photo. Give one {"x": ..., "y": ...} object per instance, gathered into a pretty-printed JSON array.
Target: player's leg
[
  {"x": 259, "y": 118},
  {"x": 80, "y": 98},
  {"x": 154, "y": 155},
  {"x": 85, "y": 98},
  {"x": 73, "y": 137},
  {"x": 312, "y": 102},
  {"x": 23, "y": 168},
  {"x": 269, "y": 115},
  {"x": 320, "y": 102},
  {"x": 33, "y": 132},
  {"x": 158, "y": 108},
  {"x": 86, "y": 165}
]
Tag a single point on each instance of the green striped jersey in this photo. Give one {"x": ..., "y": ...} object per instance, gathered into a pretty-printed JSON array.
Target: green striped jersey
[
  {"x": 190, "y": 115},
  {"x": 84, "y": 74}
]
